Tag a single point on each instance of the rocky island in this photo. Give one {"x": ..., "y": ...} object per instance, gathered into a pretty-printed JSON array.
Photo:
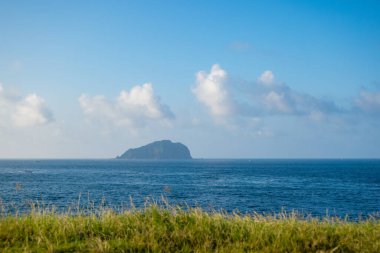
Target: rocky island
[{"x": 158, "y": 150}]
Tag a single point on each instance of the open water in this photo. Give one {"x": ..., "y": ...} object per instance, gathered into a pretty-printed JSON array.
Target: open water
[{"x": 316, "y": 187}]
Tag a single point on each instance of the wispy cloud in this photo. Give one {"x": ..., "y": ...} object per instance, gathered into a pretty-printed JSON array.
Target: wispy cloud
[
  {"x": 18, "y": 111},
  {"x": 134, "y": 108}
]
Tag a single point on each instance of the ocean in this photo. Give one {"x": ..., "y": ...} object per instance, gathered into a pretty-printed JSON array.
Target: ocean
[{"x": 316, "y": 187}]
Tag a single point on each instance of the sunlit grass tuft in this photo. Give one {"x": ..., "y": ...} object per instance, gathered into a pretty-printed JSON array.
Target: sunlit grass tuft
[{"x": 165, "y": 228}]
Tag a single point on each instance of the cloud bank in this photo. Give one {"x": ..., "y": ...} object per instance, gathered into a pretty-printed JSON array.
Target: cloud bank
[
  {"x": 134, "y": 108},
  {"x": 18, "y": 111}
]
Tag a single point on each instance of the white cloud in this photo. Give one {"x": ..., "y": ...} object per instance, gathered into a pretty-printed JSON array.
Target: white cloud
[
  {"x": 97, "y": 108},
  {"x": 266, "y": 78},
  {"x": 265, "y": 97},
  {"x": 31, "y": 111},
  {"x": 27, "y": 111},
  {"x": 134, "y": 108},
  {"x": 273, "y": 98},
  {"x": 235, "y": 102},
  {"x": 210, "y": 90},
  {"x": 141, "y": 102}
]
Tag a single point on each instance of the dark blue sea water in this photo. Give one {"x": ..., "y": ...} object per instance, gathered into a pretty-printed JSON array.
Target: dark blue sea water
[{"x": 343, "y": 187}]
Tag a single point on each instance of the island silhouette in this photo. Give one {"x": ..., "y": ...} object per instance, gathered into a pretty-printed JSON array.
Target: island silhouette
[{"x": 158, "y": 150}]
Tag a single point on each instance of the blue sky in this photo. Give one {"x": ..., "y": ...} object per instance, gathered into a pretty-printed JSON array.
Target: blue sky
[{"x": 230, "y": 79}]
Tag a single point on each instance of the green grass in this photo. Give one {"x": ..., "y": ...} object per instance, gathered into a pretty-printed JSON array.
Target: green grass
[{"x": 172, "y": 229}]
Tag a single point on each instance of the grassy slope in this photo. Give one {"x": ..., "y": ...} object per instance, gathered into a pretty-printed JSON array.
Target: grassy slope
[{"x": 156, "y": 229}]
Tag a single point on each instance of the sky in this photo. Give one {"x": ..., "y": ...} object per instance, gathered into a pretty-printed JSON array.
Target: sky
[{"x": 229, "y": 79}]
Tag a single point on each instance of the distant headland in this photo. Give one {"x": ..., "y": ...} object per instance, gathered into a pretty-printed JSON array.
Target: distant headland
[{"x": 158, "y": 150}]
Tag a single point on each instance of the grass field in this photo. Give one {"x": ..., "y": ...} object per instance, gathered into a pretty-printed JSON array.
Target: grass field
[{"x": 172, "y": 229}]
